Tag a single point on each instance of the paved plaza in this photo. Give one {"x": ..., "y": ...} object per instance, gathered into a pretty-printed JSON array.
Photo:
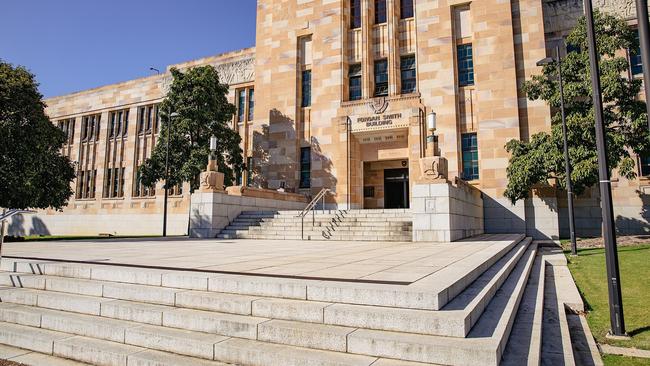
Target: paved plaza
[{"x": 402, "y": 263}]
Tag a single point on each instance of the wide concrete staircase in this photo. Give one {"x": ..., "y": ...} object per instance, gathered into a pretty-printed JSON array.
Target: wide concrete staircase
[
  {"x": 112, "y": 315},
  {"x": 368, "y": 225}
]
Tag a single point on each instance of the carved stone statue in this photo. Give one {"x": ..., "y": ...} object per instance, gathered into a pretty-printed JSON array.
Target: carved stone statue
[
  {"x": 433, "y": 168},
  {"x": 211, "y": 179}
]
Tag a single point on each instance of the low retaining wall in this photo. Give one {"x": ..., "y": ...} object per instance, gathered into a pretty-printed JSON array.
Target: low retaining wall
[
  {"x": 42, "y": 223},
  {"x": 212, "y": 211},
  {"x": 444, "y": 212}
]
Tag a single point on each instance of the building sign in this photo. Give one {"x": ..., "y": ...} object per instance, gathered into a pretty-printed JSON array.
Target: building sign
[{"x": 382, "y": 121}]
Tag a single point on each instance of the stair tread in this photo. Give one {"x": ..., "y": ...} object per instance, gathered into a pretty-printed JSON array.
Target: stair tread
[
  {"x": 32, "y": 358},
  {"x": 485, "y": 340}
]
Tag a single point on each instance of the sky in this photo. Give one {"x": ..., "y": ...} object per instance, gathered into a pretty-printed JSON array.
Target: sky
[{"x": 72, "y": 45}]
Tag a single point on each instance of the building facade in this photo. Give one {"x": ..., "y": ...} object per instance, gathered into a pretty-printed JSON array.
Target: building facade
[{"x": 336, "y": 95}]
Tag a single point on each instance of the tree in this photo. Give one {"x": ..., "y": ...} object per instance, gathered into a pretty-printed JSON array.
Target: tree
[
  {"x": 203, "y": 110},
  {"x": 533, "y": 163},
  {"x": 33, "y": 173}
]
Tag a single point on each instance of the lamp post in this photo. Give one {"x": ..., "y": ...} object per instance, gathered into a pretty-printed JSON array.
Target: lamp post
[
  {"x": 169, "y": 127},
  {"x": 644, "y": 42},
  {"x": 431, "y": 127},
  {"x": 213, "y": 147},
  {"x": 611, "y": 256},
  {"x": 567, "y": 164}
]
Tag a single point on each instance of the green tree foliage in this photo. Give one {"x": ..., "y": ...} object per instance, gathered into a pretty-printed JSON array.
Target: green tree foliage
[
  {"x": 534, "y": 163},
  {"x": 203, "y": 110},
  {"x": 33, "y": 173}
]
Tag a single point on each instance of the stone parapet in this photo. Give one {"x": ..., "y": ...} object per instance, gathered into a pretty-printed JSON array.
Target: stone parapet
[
  {"x": 266, "y": 193},
  {"x": 212, "y": 211},
  {"x": 444, "y": 212}
]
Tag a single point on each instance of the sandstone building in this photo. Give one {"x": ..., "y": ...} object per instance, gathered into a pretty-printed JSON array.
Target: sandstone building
[{"x": 336, "y": 94}]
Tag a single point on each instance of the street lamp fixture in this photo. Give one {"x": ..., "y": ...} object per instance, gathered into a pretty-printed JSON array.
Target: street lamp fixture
[
  {"x": 169, "y": 127},
  {"x": 431, "y": 127},
  {"x": 213, "y": 145},
  {"x": 567, "y": 165}
]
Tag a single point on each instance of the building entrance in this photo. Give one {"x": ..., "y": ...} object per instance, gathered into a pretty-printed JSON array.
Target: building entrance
[{"x": 396, "y": 188}]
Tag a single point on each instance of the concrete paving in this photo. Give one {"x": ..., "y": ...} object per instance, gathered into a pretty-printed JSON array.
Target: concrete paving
[{"x": 368, "y": 261}]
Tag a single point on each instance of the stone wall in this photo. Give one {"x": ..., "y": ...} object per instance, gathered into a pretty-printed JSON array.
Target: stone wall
[
  {"x": 444, "y": 212},
  {"x": 114, "y": 223},
  {"x": 212, "y": 211}
]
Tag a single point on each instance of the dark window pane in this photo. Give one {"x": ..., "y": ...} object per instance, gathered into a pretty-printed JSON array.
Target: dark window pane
[
  {"x": 354, "y": 76},
  {"x": 306, "y": 88},
  {"x": 469, "y": 144},
  {"x": 381, "y": 78},
  {"x": 645, "y": 165},
  {"x": 355, "y": 14},
  {"x": 251, "y": 103},
  {"x": 305, "y": 167},
  {"x": 380, "y": 11},
  {"x": 408, "y": 75},
  {"x": 406, "y": 9},
  {"x": 465, "y": 65},
  {"x": 241, "y": 105},
  {"x": 141, "y": 118},
  {"x": 636, "y": 65}
]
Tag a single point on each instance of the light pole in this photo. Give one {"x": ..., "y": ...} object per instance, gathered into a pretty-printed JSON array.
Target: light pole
[
  {"x": 644, "y": 42},
  {"x": 169, "y": 127},
  {"x": 431, "y": 127},
  {"x": 567, "y": 164},
  {"x": 611, "y": 256}
]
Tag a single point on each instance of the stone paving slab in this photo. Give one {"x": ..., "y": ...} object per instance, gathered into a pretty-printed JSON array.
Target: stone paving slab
[{"x": 358, "y": 260}]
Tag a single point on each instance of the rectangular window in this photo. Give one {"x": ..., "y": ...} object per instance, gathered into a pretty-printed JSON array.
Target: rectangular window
[
  {"x": 355, "y": 14},
  {"x": 408, "y": 75},
  {"x": 118, "y": 123},
  {"x": 354, "y": 76},
  {"x": 470, "y": 156},
  {"x": 381, "y": 78},
  {"x": 114, "y": 183},
  {"x": 380, "y": 11},
  {"x": 241, "y": 105},
  {"x": 147, "y": 119},
  {"x": 90, "y": 128},
  {"x": 644, "y": 163},
  {"x": 636, "y": 64},
  {"x": 465, "y": 64},
  {"x": 251, "y": 103},
  {"x": 305, "y": 167},
  {"x": 306, "y": 88},
  {"x": 406, "y": 9}
]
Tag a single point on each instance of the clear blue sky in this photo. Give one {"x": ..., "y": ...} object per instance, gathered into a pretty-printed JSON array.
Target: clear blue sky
[{"x": 71, "y": 45}]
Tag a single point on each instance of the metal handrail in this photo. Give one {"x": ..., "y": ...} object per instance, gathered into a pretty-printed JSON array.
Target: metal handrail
[{"x": 310, "y": 207}]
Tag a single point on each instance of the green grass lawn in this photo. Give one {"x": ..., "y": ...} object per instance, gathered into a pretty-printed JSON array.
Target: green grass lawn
[
  {"x": 589, "y": 272},
  {"x": 613, "y": 360}
]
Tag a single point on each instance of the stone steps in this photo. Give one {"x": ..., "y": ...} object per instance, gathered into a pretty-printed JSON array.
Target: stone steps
[
  {"x": 483, "y": 346},
  {"x": 455, "y": 319},
  {"x": 376, "y": 225},
  {"x": 525, "y": 342},
  {"x": 155, "y": 346},
  {"x": 461, "y": 316}
]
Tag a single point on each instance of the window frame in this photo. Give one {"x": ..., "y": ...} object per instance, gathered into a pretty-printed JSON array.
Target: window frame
[
  {"x": 355, "y": 14},
  {"x": 380, "y": 84},
  {"x": 404, "y": 70},
  {"x": 465, "y": 64},
  {"x": 305, "y": 88},
  {"x": 305, "y": 167},
  {"x": 402, "y": 9},
  {"x": 473, "y": 160},
  {"x": 381, "y": 12}
]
